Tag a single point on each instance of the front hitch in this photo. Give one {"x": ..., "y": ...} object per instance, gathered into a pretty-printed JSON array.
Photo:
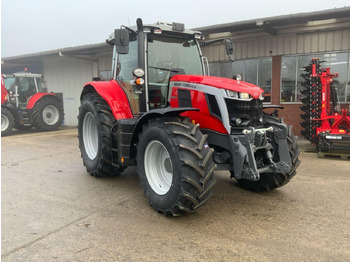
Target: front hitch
[{"x": 246, "y": 145}]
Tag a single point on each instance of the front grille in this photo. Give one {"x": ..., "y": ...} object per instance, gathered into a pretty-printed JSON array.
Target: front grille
[{"x": 246, "y": 110}]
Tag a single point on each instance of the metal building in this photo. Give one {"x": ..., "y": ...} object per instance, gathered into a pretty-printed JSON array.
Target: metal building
[{"x": 270, "y": 52}]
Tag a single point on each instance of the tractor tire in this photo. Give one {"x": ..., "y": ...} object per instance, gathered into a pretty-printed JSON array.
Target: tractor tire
[
  {"x": 95, "y": 121},
  {"x": 175, "y": 165},
  {"x": 269, "y": 181},
  {"x": 47, "y": 114},
  {"x": 7, "y": 121}
]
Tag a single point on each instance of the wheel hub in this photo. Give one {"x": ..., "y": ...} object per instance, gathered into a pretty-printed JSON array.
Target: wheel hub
[
  {"x": 50, "y": 115},
  {"x": 90, "y": 135},
  {"x": 158, "y": 167}
]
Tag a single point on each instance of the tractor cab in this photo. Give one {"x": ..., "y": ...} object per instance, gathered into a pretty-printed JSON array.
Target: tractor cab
[
  {"x": 22, "y": 86},
  {"x": 147, "y": 56}
]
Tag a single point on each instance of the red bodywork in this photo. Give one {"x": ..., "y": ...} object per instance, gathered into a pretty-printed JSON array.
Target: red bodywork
[
  {"x": 4, "y": 93},
  {"x": 117, "y": 99},
  {"x": 203, "y": 117},
  {"x": 341, "y": 122},
  {"x": 221, "y": 83},
  {"x": 114, "y": 95}
]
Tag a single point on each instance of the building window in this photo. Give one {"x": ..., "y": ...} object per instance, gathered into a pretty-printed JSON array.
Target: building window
[
  {"x": 222, "y": 69},
  {"x": 254, "y": 71},
  {"x": 292, "y": 68}
]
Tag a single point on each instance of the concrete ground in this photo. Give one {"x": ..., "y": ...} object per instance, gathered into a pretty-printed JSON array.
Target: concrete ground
[{"x": 52, "y": 210}]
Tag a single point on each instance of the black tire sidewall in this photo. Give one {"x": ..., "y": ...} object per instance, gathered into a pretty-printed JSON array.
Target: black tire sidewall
[
  {"x": 167, "y": 200},
  {"x": 85, "y": 108},
  {"x": 39, "y": 122}
]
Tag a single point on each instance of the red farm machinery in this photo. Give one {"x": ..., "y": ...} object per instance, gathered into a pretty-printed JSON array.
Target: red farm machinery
[
  {"x": 163, "y": 112},
  {"x": 26, "y": 104},
  {"x": 325, "y": 123}
]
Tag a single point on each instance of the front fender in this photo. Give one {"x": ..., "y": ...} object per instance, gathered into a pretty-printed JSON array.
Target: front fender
[
  {"x": 35, "y": 98},
  {"x": 113, "y": 94},
  {"x": 163, "y": 112}
]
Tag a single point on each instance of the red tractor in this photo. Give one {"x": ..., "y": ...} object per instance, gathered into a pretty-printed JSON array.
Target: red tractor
[
  {"x": 24, "y": 104},
  {"x": 325, "y": 123},
  {"x": 162, "y": 112}
]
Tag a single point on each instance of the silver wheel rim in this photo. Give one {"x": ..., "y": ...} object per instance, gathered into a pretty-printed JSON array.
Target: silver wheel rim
[
  {"x": 5, "y": 122},
  {"x": 50, "y": 115},
  {"x": 90, "y": 135},
  {"x": 158, "y": 167}
]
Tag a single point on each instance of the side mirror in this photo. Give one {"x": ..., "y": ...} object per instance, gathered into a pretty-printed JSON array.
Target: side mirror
[
  {"x": 229, "y": 49},
  {"x": 121, "y": 41}
]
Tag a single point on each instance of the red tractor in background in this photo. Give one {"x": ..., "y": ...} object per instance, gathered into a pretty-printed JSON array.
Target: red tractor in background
[
  {"x": 162, "y": 112},
  {"x": 325, "y": 123},
  {"x": 25, "y": 104}
]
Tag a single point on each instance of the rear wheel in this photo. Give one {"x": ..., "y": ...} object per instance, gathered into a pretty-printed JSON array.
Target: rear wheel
[
  {"x": 175, "y": 165},
  {"x": 95, "y": 121},
  {"x": 269, "y": 181},
  {"x": 7, "y": 121},
  {"x": 47, "y": 114}
]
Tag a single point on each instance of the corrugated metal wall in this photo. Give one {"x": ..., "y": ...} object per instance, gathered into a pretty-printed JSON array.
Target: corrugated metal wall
[
  {"x": 337, "y": 40},
  {"x": 68, "y": 75},
  {"x": 105, "y": 63}
]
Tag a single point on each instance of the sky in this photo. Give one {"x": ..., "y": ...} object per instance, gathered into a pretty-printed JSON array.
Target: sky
[{"x": 30, "y": 26}]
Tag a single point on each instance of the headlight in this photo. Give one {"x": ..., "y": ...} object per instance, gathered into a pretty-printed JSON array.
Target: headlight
[
  {"x": 232, "y": 94},
  {"x": 138, "y": 72},
  {"x": 245, "y": 96},
  {"x": 236, "y": 121}
]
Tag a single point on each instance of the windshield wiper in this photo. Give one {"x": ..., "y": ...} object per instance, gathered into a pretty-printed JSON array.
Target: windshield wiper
[{"x": 165, "y": 69}]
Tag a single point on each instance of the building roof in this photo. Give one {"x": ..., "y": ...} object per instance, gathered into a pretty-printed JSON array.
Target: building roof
[
  {"x": 270, "y": 24},
  {"x": 77, "y": 50}
]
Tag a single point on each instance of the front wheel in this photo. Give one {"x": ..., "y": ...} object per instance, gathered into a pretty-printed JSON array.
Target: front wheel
[
  {"x": 175, "y": 165},
  {"x": 7, "y": 121}
]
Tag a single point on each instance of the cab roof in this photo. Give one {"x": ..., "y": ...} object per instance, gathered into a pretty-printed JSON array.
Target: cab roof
[
  {"x": 163, "y": 26},
  {"x": 23, "y": 74}
]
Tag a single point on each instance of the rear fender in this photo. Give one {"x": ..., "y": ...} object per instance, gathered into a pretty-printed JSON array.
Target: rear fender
[
  {"x": 35, "y": 98},
  {"x": 113, "y": 94}
]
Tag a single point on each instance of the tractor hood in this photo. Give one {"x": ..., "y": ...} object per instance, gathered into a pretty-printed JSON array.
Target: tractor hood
[{"x": 222, "y": 83}]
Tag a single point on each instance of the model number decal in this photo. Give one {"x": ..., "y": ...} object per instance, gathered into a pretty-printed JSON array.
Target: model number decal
[{"x": 334, "y": 137}]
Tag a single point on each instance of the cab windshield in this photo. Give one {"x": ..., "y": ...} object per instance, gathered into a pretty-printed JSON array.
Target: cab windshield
[{"x": 169, "y": 56}]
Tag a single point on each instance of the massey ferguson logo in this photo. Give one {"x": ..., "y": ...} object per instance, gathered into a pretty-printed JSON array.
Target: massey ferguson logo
[{"x": 185, "y": 85}]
